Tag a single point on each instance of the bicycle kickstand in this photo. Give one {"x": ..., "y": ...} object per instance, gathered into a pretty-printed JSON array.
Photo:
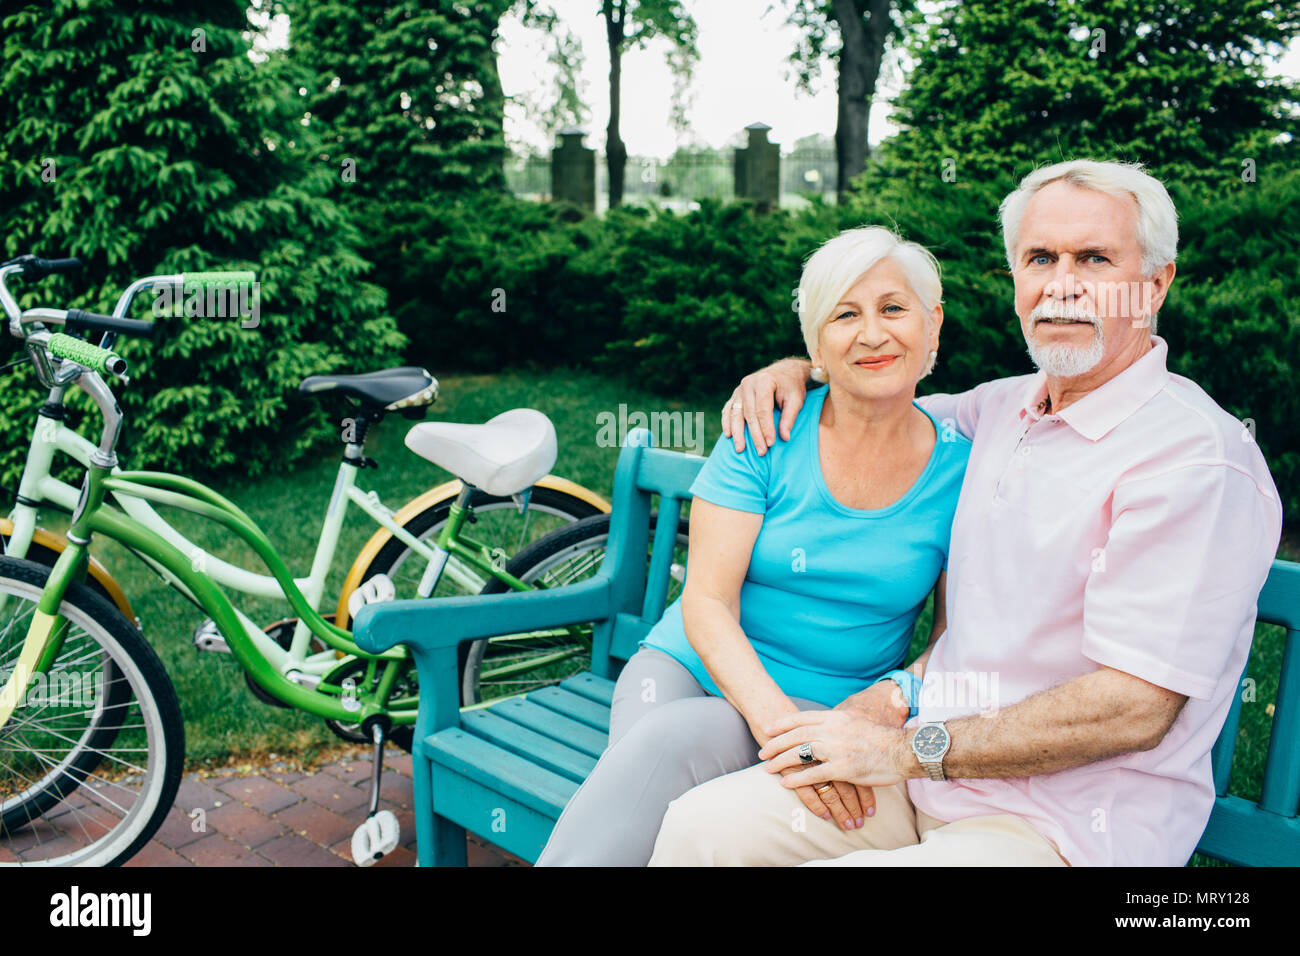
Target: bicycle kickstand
[{"x": 378, "y": 834}]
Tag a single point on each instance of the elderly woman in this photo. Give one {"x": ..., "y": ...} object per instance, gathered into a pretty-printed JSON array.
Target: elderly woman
[{"x": 808, "y": 565}]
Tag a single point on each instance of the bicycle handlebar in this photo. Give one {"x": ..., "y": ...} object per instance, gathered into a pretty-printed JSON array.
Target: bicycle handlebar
[
  {"x": 34, "y": 267},
  {"x": 83, "y": 353},
  {"x": 43, "y": 267},
  {"x": 79, "y": 320},
  {"x": 209, "y": 280}
]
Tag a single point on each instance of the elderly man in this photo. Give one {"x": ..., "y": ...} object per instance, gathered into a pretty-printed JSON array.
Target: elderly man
[{"x": 1113, "y": 532}]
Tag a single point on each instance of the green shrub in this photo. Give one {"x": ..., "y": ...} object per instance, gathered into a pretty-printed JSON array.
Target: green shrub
[{"x": 169, "y": 154}]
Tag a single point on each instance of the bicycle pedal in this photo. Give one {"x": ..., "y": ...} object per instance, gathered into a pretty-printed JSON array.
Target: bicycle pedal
[
  {"x": 376, "y": 590},
  {"x": 375, "y": 838},
  {"x": 208, "y": 638}
]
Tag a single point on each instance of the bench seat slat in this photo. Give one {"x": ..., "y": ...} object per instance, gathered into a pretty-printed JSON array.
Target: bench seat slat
[
  {"x": 571, "y": 705},
  {"x": 545, "y": 721},
  {"x": 498, "y": 770},
  {"x": 538, "y": 748},
  {"x": 590, "y": 686}
]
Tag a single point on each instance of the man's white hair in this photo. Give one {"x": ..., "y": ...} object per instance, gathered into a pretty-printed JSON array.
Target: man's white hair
[
  {"x": 1157, "y": 229},
  {"x": 841, "y": 261}
]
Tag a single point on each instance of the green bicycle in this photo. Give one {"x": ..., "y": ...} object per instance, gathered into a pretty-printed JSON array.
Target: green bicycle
[{"x": 88, "y": 772}]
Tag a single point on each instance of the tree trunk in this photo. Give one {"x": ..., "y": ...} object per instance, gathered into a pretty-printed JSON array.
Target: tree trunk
[
  {"x": 615, "y": 151},
  {"x": 864, "y": 26},
  {"x": 493, "y": 104}
]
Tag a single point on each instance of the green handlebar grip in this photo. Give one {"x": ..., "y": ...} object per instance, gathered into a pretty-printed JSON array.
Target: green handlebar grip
[
  {"x": 209, "y": 279},
  {"x": 83, "y": 353}
]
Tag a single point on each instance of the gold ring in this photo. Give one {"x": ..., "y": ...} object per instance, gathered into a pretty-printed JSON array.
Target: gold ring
[{"x": 823, "y": 789}]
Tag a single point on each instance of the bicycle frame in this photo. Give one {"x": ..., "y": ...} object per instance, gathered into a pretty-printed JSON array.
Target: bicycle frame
[
  {"x": 39, "y": 486},
  {"x": 291, "y": 675}
]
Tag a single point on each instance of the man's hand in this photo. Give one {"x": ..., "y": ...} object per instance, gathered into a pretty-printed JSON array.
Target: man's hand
[
  {"x": 781, "y": 383},
  {"x": 848, "y": 803},
  {"x": 883, "y": 702},
  {"x": 849, "y": 747}
]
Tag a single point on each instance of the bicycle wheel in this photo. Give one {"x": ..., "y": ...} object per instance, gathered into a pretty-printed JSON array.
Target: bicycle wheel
[
  {"x": 516, "y": 663},
  {"x": 91, "y": 760},
  {"x": 497, "y": 523}
]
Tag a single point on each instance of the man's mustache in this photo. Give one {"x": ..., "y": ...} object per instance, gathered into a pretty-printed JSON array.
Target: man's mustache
[{"x": 1062, "y": 311}]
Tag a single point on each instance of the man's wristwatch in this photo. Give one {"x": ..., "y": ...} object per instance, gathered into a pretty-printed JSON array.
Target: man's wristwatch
[{"x": 930, "y": 743}]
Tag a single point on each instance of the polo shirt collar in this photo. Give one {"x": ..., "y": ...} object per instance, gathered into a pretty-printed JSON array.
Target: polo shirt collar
[{"x": 1106, "y": 406}]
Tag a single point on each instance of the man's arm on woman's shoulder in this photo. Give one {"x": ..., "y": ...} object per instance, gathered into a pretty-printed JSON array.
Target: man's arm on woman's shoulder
[
  {"x": 783, "y": 384},
  {"x": 957, "y": 410}
]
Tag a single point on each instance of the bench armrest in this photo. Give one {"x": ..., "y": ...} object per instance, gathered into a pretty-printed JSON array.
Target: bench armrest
[{"x": 426, "y": 625}]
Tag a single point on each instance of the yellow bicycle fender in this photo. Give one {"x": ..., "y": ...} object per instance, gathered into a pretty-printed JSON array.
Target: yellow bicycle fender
[
  {"x": 436, "y": 495},
  {"x": 96, "y": 570},
  {"x": 37, "y": 634}
]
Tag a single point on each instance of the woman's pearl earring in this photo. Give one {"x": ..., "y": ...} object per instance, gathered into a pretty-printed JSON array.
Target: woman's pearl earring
[
  {"x": 929, "y": 365},
  {"x": 818, "y": 374}
]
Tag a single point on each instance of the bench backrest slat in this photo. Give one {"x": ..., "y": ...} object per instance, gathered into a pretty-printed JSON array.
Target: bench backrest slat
[
  {"x": 642, "y": 573},
  {"x": 1279, "y": 603}
]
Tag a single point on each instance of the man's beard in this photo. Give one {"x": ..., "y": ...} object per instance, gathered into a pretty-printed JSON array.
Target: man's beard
[{"x": 1064, "y": 361}]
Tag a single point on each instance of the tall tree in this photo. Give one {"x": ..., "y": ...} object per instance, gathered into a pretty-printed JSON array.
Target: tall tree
[
  {"x": 630, "y": 25},
  {"x": 144, "y": 140},
  {"x": 1003, "y": 85},
  {"x": 407, "y": 90},
  {"x": 864, "y": 28}
]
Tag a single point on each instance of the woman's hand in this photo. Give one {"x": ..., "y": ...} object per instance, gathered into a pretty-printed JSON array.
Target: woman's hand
[
  {"x": 883, "y": 702},
  {"x": 847, "y": 803},
  {"x": 848, "y": 746}
]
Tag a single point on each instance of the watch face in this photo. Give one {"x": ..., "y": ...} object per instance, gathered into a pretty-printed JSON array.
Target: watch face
[{"x": 929, "y": 742}]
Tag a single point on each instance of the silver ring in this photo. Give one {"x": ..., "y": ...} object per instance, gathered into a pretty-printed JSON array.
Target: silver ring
[
  {"x": 805, "y": 753},
  {"x": 737, "y": 406}
]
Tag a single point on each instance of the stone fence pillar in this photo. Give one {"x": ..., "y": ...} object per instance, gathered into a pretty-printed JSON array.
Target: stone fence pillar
[
  {"x": 573, "y": 170},
  {"x": 758, "y": 168}
]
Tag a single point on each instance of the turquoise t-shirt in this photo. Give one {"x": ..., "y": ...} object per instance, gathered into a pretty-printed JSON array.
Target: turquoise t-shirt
[{"x": 832, "y": 593}]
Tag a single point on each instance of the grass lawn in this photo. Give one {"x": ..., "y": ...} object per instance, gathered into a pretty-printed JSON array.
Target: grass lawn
[{"x": 225, "y": 723}]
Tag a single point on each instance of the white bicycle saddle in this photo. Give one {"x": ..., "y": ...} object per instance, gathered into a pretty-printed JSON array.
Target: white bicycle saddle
[{"x": 503, "y": 456}]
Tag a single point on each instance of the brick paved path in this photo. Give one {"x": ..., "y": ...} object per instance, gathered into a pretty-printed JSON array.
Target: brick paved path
[{"x": 276, "y": 816}]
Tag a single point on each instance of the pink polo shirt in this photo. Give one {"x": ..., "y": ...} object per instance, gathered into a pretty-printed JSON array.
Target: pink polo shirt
[{"x": 1133, "y": 530}]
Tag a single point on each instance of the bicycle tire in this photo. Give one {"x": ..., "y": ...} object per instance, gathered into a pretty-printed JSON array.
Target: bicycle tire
[
  {"x": 47, "y": 815},
  {"x": 557, "y": 505},
  {"x": 41, "y": 554},
  {"x": 563, "y": 557}
]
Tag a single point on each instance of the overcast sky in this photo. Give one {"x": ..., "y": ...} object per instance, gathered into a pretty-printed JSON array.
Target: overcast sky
[{"x": 741, "y": 78}]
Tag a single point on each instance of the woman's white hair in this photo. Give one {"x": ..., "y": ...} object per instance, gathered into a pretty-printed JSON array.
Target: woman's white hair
[
  {"x": 1157, "y": 230},
  {"x": 841, "y": 261}
]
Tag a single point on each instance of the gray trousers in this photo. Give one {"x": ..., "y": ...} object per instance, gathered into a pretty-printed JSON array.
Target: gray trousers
[{"x": 667, "y": 735}]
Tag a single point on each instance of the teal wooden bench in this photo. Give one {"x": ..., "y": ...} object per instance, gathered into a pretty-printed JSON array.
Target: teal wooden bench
[{"x": 506, "y": 771}]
